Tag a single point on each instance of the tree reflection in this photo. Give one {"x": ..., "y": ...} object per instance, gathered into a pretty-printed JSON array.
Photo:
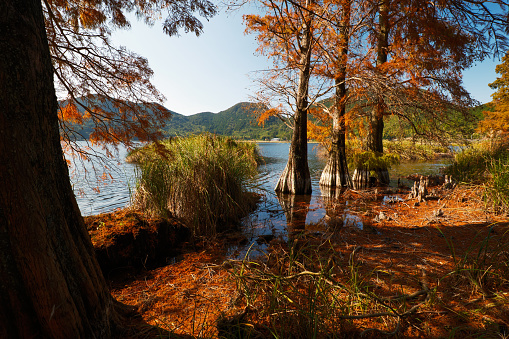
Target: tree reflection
[
  {"x": 296, "y": 208},
  {"x": 333, "y": 208}
]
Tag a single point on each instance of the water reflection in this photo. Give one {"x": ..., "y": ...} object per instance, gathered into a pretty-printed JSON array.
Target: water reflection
[
  {"x": 296, "y": 208},
  {"x": 337, "y": 213}
]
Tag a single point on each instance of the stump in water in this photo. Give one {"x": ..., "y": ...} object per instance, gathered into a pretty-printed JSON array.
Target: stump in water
[{"x": 420, "y": 189}]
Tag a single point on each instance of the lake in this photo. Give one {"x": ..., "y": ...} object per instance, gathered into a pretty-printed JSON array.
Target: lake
[{"x": 97, "y": 192}]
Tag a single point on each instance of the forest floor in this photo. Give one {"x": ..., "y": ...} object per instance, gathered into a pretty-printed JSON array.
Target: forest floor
[{"x": 432, "y": 269}]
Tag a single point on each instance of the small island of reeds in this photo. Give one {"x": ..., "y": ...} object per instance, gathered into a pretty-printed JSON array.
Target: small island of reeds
[{"x": 202, "y": 180}]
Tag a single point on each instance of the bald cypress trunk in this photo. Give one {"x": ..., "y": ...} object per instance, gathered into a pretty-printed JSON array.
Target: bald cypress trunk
[
  {"x": 335, "y": 173},
  {"x": 52, "y": 286},
  {"x": 375, "y": 142},
  {"x": 295, "y": 178}
]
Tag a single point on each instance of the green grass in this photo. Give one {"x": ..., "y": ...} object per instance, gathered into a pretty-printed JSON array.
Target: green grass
[
  {"x": 485, "y": 163},
  {"x": 202, "y": 180}
]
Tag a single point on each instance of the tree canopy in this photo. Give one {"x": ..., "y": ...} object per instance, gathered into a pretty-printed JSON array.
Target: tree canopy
[{"x": 87, "y": 65}]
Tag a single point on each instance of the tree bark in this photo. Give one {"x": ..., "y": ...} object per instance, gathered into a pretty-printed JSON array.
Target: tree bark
[
  {"x": 52, "y": 286},
  {"x": 378, "y": 128},
  {"x": 376, "y": 120},
  {"x": 295, "y": 178},
  {"x": 335, "y": 173},
  {"x": 360, "y": 179},
  {"x": 375, "y": 140}
]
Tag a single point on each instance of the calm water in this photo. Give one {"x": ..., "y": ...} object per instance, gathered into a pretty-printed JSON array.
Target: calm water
[
  {"x": 275, "y": 215},
  {"x": 104, "y": 184}
]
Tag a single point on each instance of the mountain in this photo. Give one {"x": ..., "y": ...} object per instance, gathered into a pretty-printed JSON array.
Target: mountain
[{"x": 238, "y": 121}]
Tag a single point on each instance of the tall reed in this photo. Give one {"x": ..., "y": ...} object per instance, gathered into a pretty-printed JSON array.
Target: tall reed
[{"x": 202, "y": 180}]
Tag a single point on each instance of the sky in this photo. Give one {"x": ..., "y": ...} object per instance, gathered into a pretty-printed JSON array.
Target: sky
[{"x": 214, "y": 71}]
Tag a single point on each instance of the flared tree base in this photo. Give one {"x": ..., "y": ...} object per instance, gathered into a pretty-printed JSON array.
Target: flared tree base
[
  {"x": 335, "y": 173},
  {"x": 294, "y": 180},
  {"x": 361, "y": 178}
]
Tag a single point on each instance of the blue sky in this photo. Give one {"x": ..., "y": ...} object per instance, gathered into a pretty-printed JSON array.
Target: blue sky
[{"x": 212, "y": 72}]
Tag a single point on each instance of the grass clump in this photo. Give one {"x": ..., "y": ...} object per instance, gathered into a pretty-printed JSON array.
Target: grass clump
[
  {"x": 482, "y": 267},
  {"x": 202, "y": 180},
  {"x": 486, "y": 163}
]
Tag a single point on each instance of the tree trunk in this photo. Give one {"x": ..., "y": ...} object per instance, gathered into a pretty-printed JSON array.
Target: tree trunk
[
  {"x": 375, "y": 140},
  {"x": 361, "y": 179},
  {"x": 376, "y": 120},
  {"x": 52, "y": 286},
  {"x": 335, "y": 173},
  {"x": 295, "y": 178}
]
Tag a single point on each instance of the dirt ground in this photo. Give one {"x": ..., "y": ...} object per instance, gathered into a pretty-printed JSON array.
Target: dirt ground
[{"x": 448, "y": 254}]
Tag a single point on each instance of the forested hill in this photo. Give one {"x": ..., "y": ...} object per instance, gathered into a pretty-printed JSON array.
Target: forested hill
[{"x": 238, "y": 121}]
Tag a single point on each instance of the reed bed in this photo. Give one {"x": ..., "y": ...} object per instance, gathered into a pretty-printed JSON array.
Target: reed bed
[{"x": 203, "y": 180}]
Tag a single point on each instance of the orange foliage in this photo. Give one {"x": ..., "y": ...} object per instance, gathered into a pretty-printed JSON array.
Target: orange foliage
[
  {"x": 271, "y": 112},
  {"x": 399, "y": 57},
  {"x": 497, "y": 119},
  {"x": 105, "y": 86},
  {"x": 70, "y": 113}
]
